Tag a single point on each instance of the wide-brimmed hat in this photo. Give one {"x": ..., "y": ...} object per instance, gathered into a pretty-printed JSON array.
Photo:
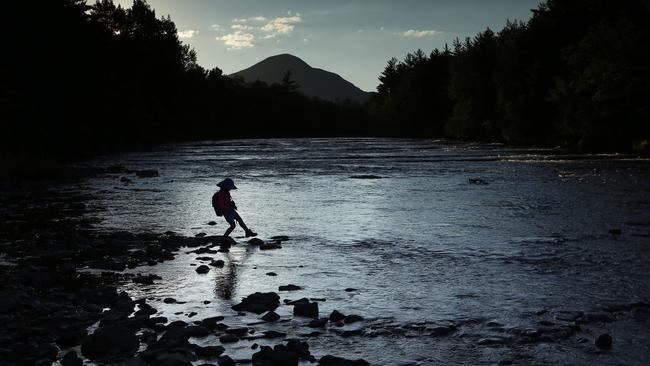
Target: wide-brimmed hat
[{"x": 226, "y": 184}]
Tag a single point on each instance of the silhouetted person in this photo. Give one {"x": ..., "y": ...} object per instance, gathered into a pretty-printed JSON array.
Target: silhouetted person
[{"x": 225, "y": 206}]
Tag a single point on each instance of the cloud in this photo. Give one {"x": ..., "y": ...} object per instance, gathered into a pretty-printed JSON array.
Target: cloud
[
  {"x": 238, "y": 40},
  {"x": 187, "y": 33},
  {"x": 258, "y": 18},
  {"x": 215, "y": 27},
  {"x": 282, "y": 25},
  {"x": 419, "y": 33},
  {"x": 240, "y": 27}
]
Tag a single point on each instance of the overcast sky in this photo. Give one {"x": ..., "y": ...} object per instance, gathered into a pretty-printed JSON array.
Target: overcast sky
[{"x": 353, "y": 38}]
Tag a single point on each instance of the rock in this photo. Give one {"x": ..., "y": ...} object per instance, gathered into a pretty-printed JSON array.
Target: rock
[
  {"x": 110, "y": 342},
  {"x": 272, "y": 274},
  {"x": 200, "y": 235},
  {"x": 71, "y": 359},
  {"x": 615, "y": 232},
  {"x": 218, "y": 263},
  {"x": 70, "y": 339},
  {"x": 351, "y": 333},
  {"x": 225, "y": 361},
  {"x": 336, "y": 316},
  {"x": 350, "y": 289},
  {"x": 239, "y": 332},
  {"x": 309, "y": 309},
  {"x": 271, "y": 316},
  {"x": 271, "y": 357},
  {"x": 289, "y": 287},
  {"x": 338, "y": 361},
  {"x": 147, "y": 173},
  {"x": 212, "y": 223},
  {"x": 169, "y": 300},
  {"x": 479, "y": 181},
  {"x": 352, "y": 319},
  {"x": 202, "y": 269},
  {"x": 256, "y": 241},
  {"x": 211, "y": 323},
  {"x": 270, "y": 246},
  {"x": 270, "y": 334},
  {"x": 259, "y": 303},
  {"x": 125, "y": 180},
  {"x": 228, "y": 338},
  {"x": 604, "y": 342},
  {"x": 318, "y": 323},
  {"x": 204, "y": 250},
  {"x": 204, "y": 259},
  {"x": 209, "y": 351},
  {"x": 365, "y": 176}
]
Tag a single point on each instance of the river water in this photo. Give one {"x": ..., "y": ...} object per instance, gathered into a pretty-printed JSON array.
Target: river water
[{"x": 420, "y": 244}]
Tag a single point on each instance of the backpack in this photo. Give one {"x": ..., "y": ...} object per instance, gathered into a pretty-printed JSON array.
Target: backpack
[{"x": 215, "y": 204}]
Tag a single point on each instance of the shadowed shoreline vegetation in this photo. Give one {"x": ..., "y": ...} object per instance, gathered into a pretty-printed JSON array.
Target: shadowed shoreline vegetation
[
  {"x": 82, "y": 79},
  {"x": 574, "y": 75}
]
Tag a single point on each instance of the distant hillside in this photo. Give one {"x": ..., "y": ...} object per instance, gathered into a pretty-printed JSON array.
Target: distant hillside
[{"x": 310, "y": 81}]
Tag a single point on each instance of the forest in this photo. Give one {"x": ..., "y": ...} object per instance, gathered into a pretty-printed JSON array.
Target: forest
[
  {"x": 80, "y": 79},
  {"x": 575, "y": 75}
]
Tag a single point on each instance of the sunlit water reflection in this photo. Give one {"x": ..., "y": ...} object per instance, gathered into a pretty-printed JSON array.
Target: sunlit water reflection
[{"x": 419, "y": 244}]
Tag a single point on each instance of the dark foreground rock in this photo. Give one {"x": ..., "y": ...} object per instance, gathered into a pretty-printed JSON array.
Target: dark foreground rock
[
  {"x": 259, "y": 303},
  {"x": 306, "y": 309},
  {"x": 110, "y": 342},
  {"x": 338, "y": 361},
  {"x": 604, "y": 342}
]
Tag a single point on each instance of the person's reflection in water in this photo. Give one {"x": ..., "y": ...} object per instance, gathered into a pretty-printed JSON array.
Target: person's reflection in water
[{"x": 226, "y": 278}]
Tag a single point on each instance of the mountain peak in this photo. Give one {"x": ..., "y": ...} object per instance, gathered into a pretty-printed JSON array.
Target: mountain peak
[{"x": 310, "y": 81}]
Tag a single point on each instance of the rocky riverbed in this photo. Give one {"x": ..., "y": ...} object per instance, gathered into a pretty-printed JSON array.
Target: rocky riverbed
[{"x": 120, "y": 265}]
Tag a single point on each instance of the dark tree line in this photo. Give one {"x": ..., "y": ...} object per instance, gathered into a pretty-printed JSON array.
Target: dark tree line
[
  {"x": 576, "y": 74},
  {"x": 80, "y": 79}
]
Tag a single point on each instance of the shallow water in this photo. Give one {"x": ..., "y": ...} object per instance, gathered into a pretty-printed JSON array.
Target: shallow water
[{"x": 420, "y": 245}]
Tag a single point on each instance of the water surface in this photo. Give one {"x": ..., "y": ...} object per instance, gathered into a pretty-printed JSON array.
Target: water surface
[{"x": 421, "y": 244}]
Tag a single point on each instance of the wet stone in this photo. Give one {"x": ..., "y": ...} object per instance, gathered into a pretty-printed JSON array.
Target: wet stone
[
  {"x": 270, "y": 246},
  {"x": 290, "y": 287},
  {"x": 225, "y": 361},
  {"x": 270, "y": 316},
  {"x": 352, "y": 319},
  {"x": 308, "y": 309},
  {"x": 272, "y": 274},
  {"x": 71, "y": 359},
  {"x": 318, "y": 323},
  {"x": 218, "y": 263},
  {"x": 338, "y": 361},
  {"x": 256, "y": 241},
  {"x": 604, "y": 342},
  {"x": 202, "y": 269},
  {"x": 169, "y": 300},
  {"x": 228, "y": 338},
  {"x": 259, "y": 303},
  {"x": 336, "y": 316}
]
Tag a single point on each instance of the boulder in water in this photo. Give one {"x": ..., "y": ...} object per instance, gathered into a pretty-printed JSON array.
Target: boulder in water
[
  {"x": 604, "y": 342},
  {"x": 202, "y": 269}
]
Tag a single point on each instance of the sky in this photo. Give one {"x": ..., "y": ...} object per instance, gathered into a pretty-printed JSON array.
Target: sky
[{"x": 353, "y": 38}]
